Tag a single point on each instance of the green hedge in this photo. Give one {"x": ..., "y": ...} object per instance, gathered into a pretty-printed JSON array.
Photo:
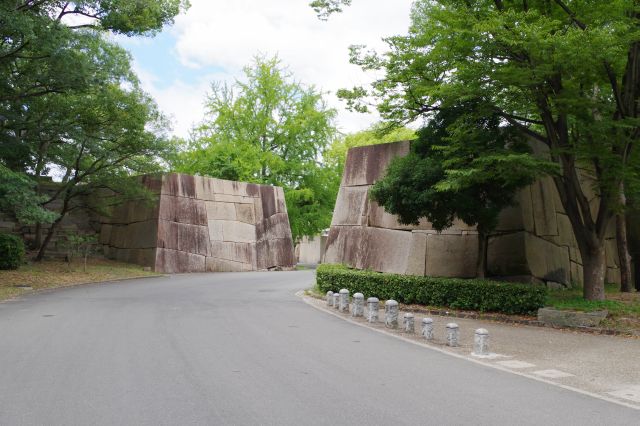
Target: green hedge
[
  {"x": 11, "y": 251},
  {"x": 455, "y": 293}
]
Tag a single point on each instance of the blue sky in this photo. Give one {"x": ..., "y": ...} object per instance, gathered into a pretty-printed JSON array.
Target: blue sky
[{"x": 215, "y": 39}]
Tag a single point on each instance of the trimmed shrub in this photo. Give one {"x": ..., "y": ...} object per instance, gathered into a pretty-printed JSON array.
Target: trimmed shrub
[
  {"x": 11, "y": 251},
  {"x": 455, "y": 293}
]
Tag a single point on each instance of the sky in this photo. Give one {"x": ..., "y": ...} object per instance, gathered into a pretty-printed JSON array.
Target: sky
[{"x": 215, "y": 39}]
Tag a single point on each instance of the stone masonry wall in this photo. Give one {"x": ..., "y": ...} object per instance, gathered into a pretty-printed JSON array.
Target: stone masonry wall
[
  {"x": 533, "y": 241},
  {"x": 202, "y": 224}
]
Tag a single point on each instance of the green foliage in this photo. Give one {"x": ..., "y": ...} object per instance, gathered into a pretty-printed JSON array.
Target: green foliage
[
  {"x": 70, "y": 102},
  {"x": 324, "y": 8},
  {"x": 471, "y": 175},
  {"x": 268, "y": 129},
  {"x": 563, "y": 73},
  {"x": 11, "y": 251},
  {"x": 18, "y": 199},
  {"x": 455, "y": 293}
]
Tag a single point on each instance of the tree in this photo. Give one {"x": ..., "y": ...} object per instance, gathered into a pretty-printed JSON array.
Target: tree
[
  {"x": 268, "y": 129},
  {"x": 18, "y": 198},
  {"x": 562, "y": 72},
  {"x": 62, "y": 85},
  {"x": 472, "y": 174}
]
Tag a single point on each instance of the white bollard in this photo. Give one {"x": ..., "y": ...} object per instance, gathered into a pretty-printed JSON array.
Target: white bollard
[
  {"x": 481, "y": 342},
  {"x": 391, "y": 314},
  {"x": 409, "y": 323},
  {"x": 427, "y": 328},
  {"x": 336, "y": 300},
  {"x": 452, "y": 334},
  {"x": 329, "y": 298},
  {"x": 358, "y": 305},
  {"x": 372, "y": 309},
  {"x": 344, "y": 300}
]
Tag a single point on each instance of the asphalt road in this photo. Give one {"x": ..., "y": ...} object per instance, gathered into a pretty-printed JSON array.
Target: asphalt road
[{"x": 242, "y": 349}]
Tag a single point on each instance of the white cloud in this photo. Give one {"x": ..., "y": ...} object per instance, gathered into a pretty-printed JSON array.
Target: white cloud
[{"x": 228, "y": 34}]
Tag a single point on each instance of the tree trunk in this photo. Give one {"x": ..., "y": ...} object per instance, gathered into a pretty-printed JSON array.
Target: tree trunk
[
  {"x": 594, "y": 263},
  {"x": 481, "y": 261},
  {"x": 47, "y": 240},
  {"x": 623, "y": 253}
]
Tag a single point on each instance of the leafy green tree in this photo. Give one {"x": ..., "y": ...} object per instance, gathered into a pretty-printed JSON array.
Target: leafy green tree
[
  {"x": 564, "y": 73},
  {"x": 472, "y": 176},
  {"x": 18, "y": 198},
  {"x": 62, "y": 85},
  {"x": 268, "y": 129}
]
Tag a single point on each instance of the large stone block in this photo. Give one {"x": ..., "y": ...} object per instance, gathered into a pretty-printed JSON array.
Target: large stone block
[
  {"x": 510, "y": 219},
  {"x": 215, "y": 230},
  {"x": 268, "y": 198},
  {"x": 245, "y": 213},
  {"x": 506, "y": 255},
  {"x": 365, "y": 165},
  {"x": 183, "y": 210},
  {"x": 345, "y": 244},
  {"x": 544, "y": 208},
  {"x": 387, "y": 250},
  {"x": 416, "y": 263},
  {"x": 184, "y": 237},
  {"x": 351, "y": 206},
  {"x": 275, "y": 253},
  {"x": 451, "y": 255},
  {"x": 221, "y": 211},
  {"x": 238, "y": 252},
  {"x": 225, "y": 265},
  {"x": 238, "y": 232},
  {"x": 547, "y": 261},
  {"x": 276, "y": 226},
  {"x": 174, "y": 261},
  {"x": 179, "y": 185}
]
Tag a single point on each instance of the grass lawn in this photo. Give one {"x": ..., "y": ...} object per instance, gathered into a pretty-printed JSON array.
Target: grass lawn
[
  {"x": 55, "y": 273},
  {"x": 624, "y": 308}
]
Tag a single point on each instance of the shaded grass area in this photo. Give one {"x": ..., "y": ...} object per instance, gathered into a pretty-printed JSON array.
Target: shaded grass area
[
  {"x": 35, "y": 276},
  {"x": 624, "y": 308}
]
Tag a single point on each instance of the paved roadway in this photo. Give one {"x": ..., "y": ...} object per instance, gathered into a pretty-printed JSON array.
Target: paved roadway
[{"x": 242, "y": 349}]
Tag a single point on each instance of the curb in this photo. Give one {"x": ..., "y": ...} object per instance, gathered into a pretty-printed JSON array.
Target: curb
[
  {"x": 506, "y": 319},
  {"x": 305, "y": 298}
]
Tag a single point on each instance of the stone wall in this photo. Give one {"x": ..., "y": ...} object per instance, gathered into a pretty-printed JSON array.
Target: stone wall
[
  {"x": 310, "y": 249},
  {"x": 79, "y": 221},
  {"x": 199, "y": 224},
  {"x": 533, "y": 241}
]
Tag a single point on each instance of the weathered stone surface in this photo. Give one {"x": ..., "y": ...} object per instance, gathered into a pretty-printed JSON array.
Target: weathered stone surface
[
  {"x": 183, "y": 210},
  {"x": 386, "y": 250},
  {"x": 217, "y": 210},
  {"x": 510, "y": 219},
  {"x": 365, "y": 165},
  {"x": 544, "y": 209},
  {"x": 275, "y": 253},
  {"x": 571, "y": 318},
  {"x": 179, "y": 185},
  {"x": 239, "y": 252},
  {"x": 416, "y": 263},
  {"x": 268, "y": 197},
  {"x": 245, "y": 213},
  {"x": 351, "y": 206},
  {"x": 547, "y": 261},
  {"x": 201, "y": 223},
  {"x": 214, "y": 264},
  {"x": 174, "y": 261},
  {"x": 506, "y": 255},
  {"x": 238, "y": 231},
  {"x": 184, "y": 237},
  {"x": 273, "y": 227},
  {"x": 451, "y": 255}
]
